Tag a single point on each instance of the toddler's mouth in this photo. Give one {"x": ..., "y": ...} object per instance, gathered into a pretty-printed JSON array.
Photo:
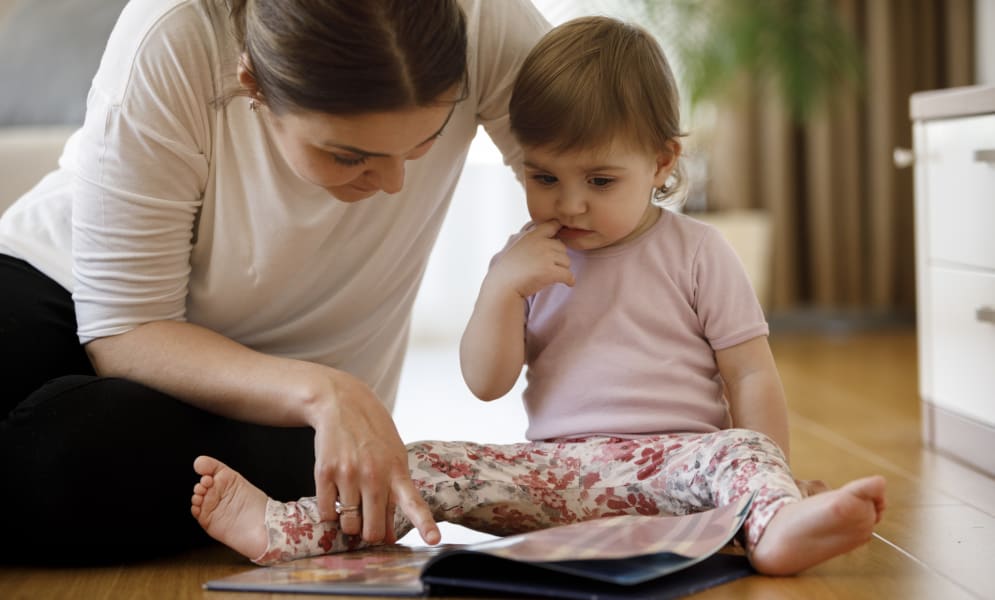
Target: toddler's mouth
[{"x": 570, "y": 233}]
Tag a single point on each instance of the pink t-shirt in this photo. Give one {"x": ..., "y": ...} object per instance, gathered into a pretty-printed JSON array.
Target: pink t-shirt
[{"x": 629, "y": 350}]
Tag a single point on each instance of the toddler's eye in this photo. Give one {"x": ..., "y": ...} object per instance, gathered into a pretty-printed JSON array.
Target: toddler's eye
[
  {"x": 545, "y": 179},
  {"x": 601, "y": 181}
]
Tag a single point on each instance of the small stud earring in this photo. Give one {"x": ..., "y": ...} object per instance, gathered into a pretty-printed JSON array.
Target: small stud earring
[
  {"x": 658, "y": 195},
  {"x": 253, "y": 105}
]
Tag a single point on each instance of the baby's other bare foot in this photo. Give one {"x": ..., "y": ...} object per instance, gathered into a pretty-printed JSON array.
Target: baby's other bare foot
[
  {"x": 229, "y": 508},
  {"x": 817, "y": 528}
]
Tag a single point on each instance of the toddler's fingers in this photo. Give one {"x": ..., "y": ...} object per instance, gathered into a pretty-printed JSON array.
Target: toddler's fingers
[
  {"x": 547, "y": 228},
  {"x": 568, "y": 277},
  {"x": 562, "y": 259}
]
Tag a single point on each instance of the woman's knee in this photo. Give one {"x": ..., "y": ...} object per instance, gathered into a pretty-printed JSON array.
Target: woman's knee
[{"x": 57, "y": 398}]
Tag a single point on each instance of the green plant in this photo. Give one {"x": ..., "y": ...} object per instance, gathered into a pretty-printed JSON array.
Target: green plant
[{"x": 800, "y": 46}]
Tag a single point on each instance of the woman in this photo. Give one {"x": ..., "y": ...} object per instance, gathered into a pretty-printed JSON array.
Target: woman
[{"x": 225, "y": 261}]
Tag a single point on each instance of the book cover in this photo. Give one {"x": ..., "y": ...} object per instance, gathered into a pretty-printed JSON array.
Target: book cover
[{"x": 613, "y": 557}]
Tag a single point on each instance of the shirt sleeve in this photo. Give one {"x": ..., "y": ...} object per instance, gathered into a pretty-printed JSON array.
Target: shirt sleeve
[
  {"x": 505, "y": 33},
  {"x": 726, "y": 305},
  {"x": 141, "y": 169}
]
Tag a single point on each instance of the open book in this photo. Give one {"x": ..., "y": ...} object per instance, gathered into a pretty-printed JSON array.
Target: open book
[{"x": 614, "y": 557}]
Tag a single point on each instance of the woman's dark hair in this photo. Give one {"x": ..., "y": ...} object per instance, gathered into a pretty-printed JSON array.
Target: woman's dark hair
[{"x": 351, "y": 56}]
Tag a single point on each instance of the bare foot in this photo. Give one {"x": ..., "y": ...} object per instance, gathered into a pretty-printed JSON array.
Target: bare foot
[
  {"x": 817, "y": 528},
  {"x": 229, "y": 508}
]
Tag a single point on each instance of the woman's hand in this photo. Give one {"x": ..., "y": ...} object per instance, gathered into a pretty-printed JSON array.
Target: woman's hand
[{"x": 361, "y": 462}]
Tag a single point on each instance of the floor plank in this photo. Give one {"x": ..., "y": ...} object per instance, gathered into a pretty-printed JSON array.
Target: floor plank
[
  {"x": 853, "y": 414},
  {"x": 872, "y": 572}
]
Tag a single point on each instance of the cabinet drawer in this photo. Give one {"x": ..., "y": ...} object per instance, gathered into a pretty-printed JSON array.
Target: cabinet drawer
[
  {"x": 958, "y": 168},
  {"x": 962, "y": 351}
]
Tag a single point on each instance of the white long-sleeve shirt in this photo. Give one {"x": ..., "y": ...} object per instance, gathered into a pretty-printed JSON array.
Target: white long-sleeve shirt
[{"x": 171, "y": 205}]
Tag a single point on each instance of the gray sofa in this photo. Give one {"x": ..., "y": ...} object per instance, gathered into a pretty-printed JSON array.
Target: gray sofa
[{"x": 49, "y": 51}]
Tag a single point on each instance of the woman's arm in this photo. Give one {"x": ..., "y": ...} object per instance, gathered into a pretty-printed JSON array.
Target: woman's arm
[
  {"x": 492, "y": 350},
  {"x": 359, "y": 456},
  {"x": 507, "y": 31},
  {"x": 756, "y": 396},
  {"x": 214, "y": 373}
]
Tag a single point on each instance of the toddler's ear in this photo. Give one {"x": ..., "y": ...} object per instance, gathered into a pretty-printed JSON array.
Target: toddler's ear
[{"x": 666, "y": 159}]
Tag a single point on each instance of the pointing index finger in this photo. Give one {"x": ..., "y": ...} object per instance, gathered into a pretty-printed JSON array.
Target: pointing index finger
[{"x": 416, "y": 509}]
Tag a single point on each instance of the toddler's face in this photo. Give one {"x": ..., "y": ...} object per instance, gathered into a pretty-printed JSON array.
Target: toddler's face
[{"x": 600, "y": 196}]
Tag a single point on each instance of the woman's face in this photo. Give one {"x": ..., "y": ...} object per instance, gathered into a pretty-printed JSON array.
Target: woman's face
[{"x": 353, "y": 157}]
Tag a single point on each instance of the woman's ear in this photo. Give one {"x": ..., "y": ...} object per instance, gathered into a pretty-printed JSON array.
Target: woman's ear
[
  {"x": 246, "y": 78},
  {"x": 666, "y": 160}
]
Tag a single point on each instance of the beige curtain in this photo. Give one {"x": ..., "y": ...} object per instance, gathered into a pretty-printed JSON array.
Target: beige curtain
[{"x": 841, "y": 212}]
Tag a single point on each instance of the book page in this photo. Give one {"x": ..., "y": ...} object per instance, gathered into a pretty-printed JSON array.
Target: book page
[{"x": 692, "y": 536}]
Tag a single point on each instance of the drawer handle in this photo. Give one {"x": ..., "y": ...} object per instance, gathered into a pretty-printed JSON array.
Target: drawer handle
[
  {"x": 987, "y": 156},
  {"x": 985, "y": 313}
]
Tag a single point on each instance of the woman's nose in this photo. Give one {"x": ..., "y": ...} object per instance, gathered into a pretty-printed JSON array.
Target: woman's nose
[{"x": 391, "y": 174}]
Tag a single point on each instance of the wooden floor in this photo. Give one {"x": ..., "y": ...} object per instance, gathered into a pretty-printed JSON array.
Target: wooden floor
[{"x": 854, "y": 412}]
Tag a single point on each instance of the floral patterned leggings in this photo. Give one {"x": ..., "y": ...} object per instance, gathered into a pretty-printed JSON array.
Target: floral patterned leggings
[{"x": 507, "y": 489}]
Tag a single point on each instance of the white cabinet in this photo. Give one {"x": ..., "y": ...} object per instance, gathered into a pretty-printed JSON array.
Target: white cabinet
[{"x": 954, "y": 136}]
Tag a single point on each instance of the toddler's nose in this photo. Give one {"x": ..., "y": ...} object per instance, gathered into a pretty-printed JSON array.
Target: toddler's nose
[{"x": 571, "y": 204}]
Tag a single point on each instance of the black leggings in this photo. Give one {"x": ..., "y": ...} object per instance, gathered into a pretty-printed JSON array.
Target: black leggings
[{"x": 98, "y": 469}]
